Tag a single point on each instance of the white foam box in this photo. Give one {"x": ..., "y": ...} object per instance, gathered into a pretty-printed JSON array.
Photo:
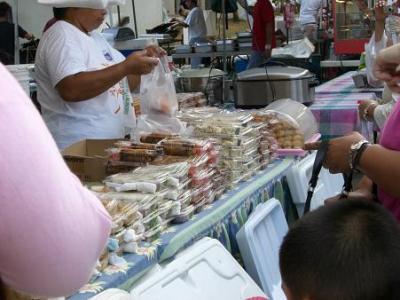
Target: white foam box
[
  {"x": 206, "y": 270},
  {"x": 259, "y": 241},
  {"x": 298, "y": 178}
]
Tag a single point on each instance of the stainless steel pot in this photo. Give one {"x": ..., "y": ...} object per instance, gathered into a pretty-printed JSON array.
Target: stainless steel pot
[
  {"x": 260, "y": 86},
  {"x": 202, "y": 80}
]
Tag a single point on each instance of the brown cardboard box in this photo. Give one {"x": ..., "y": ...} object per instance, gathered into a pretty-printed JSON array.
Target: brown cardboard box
[{"x": 87, "y": 159}]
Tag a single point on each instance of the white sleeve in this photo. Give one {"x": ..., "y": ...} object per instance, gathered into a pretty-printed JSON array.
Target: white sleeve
[
  {"x": 371, "y": 51},
  {"x": 382, "y": 112},
  {"x": 192, "y": 18},
  {"x": 118, "y": 57},
  {"x": 64, "y": 57}
]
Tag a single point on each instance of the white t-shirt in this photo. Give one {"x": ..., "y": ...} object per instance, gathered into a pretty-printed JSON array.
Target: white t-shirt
[
  {"x": 64, "y": 51},
  {"x": 197, "y": 24},
  {"x": 309, "y": 10}
]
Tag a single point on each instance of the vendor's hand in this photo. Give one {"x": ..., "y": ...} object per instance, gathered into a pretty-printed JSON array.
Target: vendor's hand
[
  {"x": 380, "y": 14},
  {"x": 140, "y": 63},
  {"x": 155, "y": 51},
  {"x": 337, "y": 158},
  {"x": 365, "y": 105}
]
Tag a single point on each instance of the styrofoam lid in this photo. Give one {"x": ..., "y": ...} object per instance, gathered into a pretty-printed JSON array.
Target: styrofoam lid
[
  {"x": 95, "y": 4},
  {"x": 299, "y": 112},
  {"x": 205, "y": 271}
]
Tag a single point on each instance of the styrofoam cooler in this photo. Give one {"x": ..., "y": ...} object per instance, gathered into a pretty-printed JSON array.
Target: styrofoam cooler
[
  {"x": 259, "y": 241},
  {"x": 206, "y": 270},
  {"x": 298, "y": 178}
]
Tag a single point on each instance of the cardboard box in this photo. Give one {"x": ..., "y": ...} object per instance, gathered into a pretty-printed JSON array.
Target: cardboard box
[{"x": 87, "y": 159}]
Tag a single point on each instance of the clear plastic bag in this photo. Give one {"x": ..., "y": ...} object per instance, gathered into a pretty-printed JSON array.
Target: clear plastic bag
[{"x": 157, "y": 91}]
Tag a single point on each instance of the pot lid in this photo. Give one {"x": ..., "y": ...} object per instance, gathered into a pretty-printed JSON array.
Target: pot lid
[
  {"x": 200, "y": 73},
  {"x": 275, "y": 73}
]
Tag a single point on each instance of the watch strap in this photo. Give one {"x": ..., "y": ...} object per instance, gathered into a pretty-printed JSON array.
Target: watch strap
[{"x": 357, "y": 155}]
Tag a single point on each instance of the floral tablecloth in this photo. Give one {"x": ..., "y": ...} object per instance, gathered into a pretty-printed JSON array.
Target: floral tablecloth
[{"x": 221, "y": 220}]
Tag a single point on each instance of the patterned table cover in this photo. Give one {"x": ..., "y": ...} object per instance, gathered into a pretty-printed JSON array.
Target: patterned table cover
[
  {"x": 344, "y": 84},
  {"x": 337, "y": 114},
  {"x": 220, "y": 220}
]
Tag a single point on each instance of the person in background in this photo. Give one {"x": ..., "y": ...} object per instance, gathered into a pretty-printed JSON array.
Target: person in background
[
  {"x": 349, "y": 250},
  {"x": 369, "y": 110},
  {"x": 196, "y": 25},
  {"x": 84, "y": 85},
  {"x": 309, "y": 12},
  {"x": 7, "y": 35},
  {"x": 263, "y": 33},
  {"x": 52, "y": 229}
]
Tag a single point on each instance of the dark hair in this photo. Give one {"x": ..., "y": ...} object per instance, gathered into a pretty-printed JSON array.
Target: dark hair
[
  {"x": 349, "y": 250},
  {"x": 59, "y": 13},
  {"x": 5, "y": 10}
]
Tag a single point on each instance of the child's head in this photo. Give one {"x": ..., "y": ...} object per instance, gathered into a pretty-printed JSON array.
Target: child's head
[{"x": 349, "y": 250}]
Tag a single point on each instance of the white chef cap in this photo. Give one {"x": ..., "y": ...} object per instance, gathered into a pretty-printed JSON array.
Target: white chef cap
[{"x": 96, "y": 4}]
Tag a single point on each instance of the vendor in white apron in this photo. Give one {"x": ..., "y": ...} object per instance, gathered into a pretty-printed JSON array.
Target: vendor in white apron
[{"x": 84, "y": 85}]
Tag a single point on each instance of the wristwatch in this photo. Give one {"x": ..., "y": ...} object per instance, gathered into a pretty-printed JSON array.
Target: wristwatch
[{"x": 356, "y": 151}]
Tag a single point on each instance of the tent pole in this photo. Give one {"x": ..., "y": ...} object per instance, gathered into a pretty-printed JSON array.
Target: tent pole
[
  {"x": 224, "y": 56},
  {"x": 134, "y": 18},
  {"x": 16, "y": 32}
]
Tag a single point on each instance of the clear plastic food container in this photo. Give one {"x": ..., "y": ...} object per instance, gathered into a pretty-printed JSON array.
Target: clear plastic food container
[{"x": 299, "y": 113}]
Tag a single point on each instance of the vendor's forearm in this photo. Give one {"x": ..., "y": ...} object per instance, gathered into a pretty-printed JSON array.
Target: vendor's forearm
[
  {"x": 269, "y": 33},
  {"x": 382, "y": 166},
  {"x": 379, "y": 31},
  {"x": 87, "y": 85}
]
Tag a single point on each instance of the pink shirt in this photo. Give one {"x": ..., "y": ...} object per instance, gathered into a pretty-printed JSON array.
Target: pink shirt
[
  {"x": 390, "y": 139},
  {"x": 52, "y": 230}
]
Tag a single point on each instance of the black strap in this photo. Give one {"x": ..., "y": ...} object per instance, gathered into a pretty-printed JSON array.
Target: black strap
[
  {"x": 348, "y": 185},
  {"x": 319, "y": 160}
]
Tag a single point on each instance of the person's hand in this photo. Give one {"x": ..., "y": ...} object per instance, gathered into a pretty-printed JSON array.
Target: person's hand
[
  {"x": 155, "y": 51},
  {"x": 337, "y": 158},
  {"x": 380, "y": 14},
  {"x": 366, "y": 109},
  {"x": 140, "y": 63},
  {"x": 387, "y": 67}
]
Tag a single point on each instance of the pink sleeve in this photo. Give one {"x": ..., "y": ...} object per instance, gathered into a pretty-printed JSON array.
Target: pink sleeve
[{"x": 52, "y": 230}]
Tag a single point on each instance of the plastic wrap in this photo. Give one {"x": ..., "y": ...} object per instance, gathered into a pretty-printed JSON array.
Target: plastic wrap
[
  {"x": 155, "y": 137},
  {"x": 185, "y": 147},
  {"x": 284, "y": 129}
]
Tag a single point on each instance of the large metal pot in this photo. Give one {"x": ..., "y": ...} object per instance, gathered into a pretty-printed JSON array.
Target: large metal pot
[
  {"x": 206, "y": 80},
  {"x": 260, "y": 86}
]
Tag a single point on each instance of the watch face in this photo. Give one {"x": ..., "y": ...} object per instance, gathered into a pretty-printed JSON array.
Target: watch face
[{"x": 357, "y": 145}]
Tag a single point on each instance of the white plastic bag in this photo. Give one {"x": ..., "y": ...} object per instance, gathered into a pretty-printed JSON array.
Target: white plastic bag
[
  {"x": 148, "y": 124},
  {"x": 157, "y": 92},
  {"x": 371, "y": 51}
]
